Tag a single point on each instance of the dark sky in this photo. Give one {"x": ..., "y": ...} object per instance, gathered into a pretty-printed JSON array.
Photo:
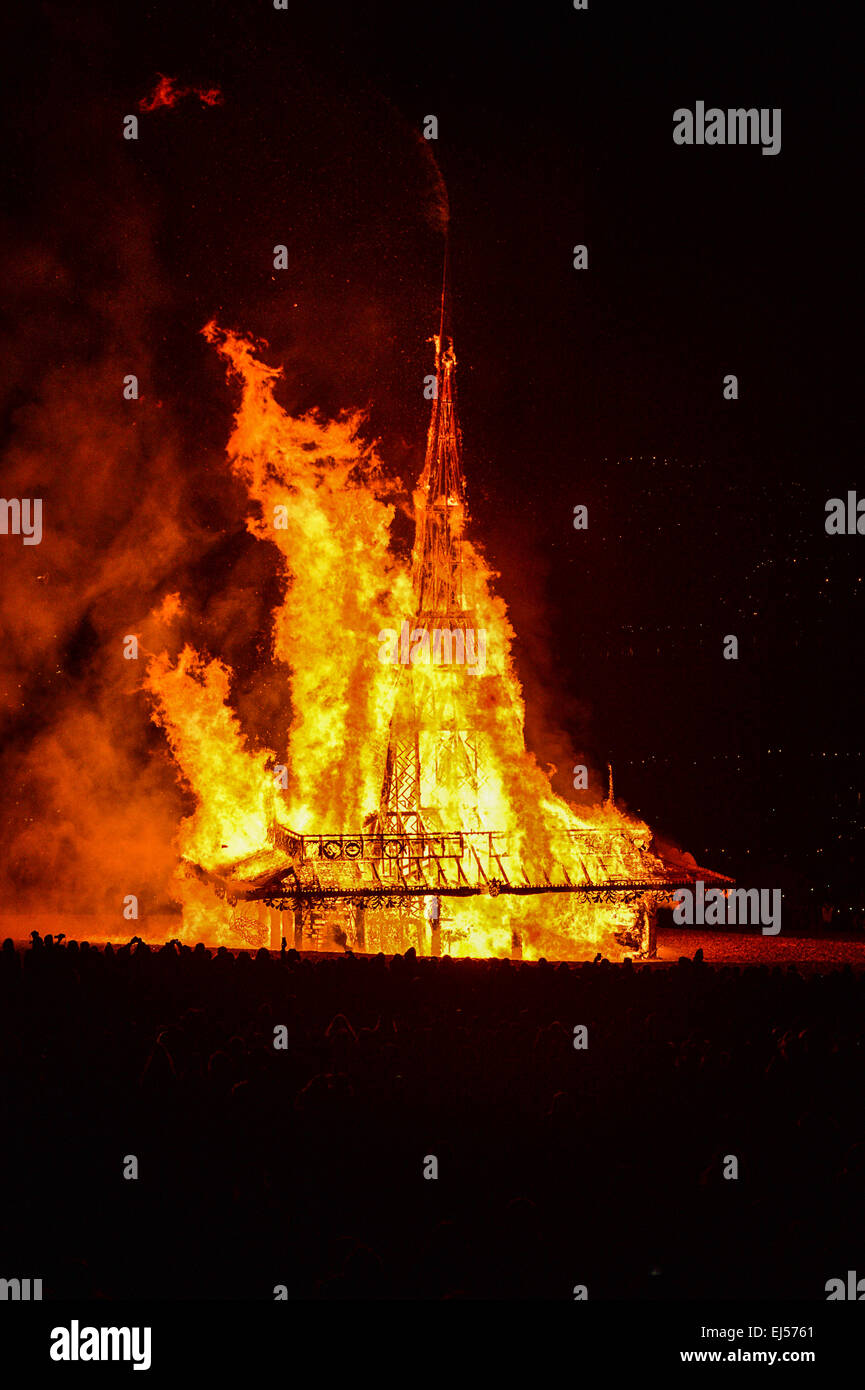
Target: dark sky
[{"x": 601, "y": 387}]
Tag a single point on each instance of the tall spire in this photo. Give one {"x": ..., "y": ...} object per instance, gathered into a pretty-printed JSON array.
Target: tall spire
[
  {"x": 445, "y": 302},
  {"x": 427, "y": 741},
  {"x": 441, "y": 495}
]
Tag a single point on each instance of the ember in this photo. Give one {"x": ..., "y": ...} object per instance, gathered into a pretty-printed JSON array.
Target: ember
[{"x": 168, "y": 92}]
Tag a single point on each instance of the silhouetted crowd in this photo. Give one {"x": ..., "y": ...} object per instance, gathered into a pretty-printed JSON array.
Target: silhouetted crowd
[{"x": 303, "y": 1166}]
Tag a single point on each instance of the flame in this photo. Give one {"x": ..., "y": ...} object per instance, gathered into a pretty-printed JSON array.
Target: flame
[
  {"x": 319, "y": 496},
  {"x": 167, "y": 93},
  {"x": 230, "y": 821}
]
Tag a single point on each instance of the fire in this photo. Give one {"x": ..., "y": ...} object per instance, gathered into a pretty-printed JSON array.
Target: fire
[
  {"x": 319, "y": 495},
  {"x": 167, "y": 92}
]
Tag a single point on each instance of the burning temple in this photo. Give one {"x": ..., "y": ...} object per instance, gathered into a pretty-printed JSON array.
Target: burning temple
[{"x": 468, "y": 851}]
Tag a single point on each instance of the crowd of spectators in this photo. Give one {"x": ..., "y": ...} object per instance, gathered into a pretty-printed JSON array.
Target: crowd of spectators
[{"x": 303, "y": 1165}]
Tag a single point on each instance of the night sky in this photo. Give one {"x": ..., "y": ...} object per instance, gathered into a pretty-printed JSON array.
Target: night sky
[{"x": 601, "y": 387}]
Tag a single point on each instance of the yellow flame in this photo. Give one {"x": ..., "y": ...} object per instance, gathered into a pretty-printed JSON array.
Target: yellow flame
[{"x": 320, "y": 497}]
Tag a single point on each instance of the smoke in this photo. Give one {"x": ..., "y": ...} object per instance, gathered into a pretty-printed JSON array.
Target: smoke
[
  {"x": 89, "y": 813},
  {"x": 437, "y": 207}
]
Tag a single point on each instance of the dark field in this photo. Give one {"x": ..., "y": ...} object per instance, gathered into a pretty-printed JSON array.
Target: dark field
[
  {"x": 304, "y": 1166},
  {"x": 746, "y": 948}
]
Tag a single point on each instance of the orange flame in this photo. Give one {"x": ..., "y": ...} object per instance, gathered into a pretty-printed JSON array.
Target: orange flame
[{"x": 319, "y": 496}]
